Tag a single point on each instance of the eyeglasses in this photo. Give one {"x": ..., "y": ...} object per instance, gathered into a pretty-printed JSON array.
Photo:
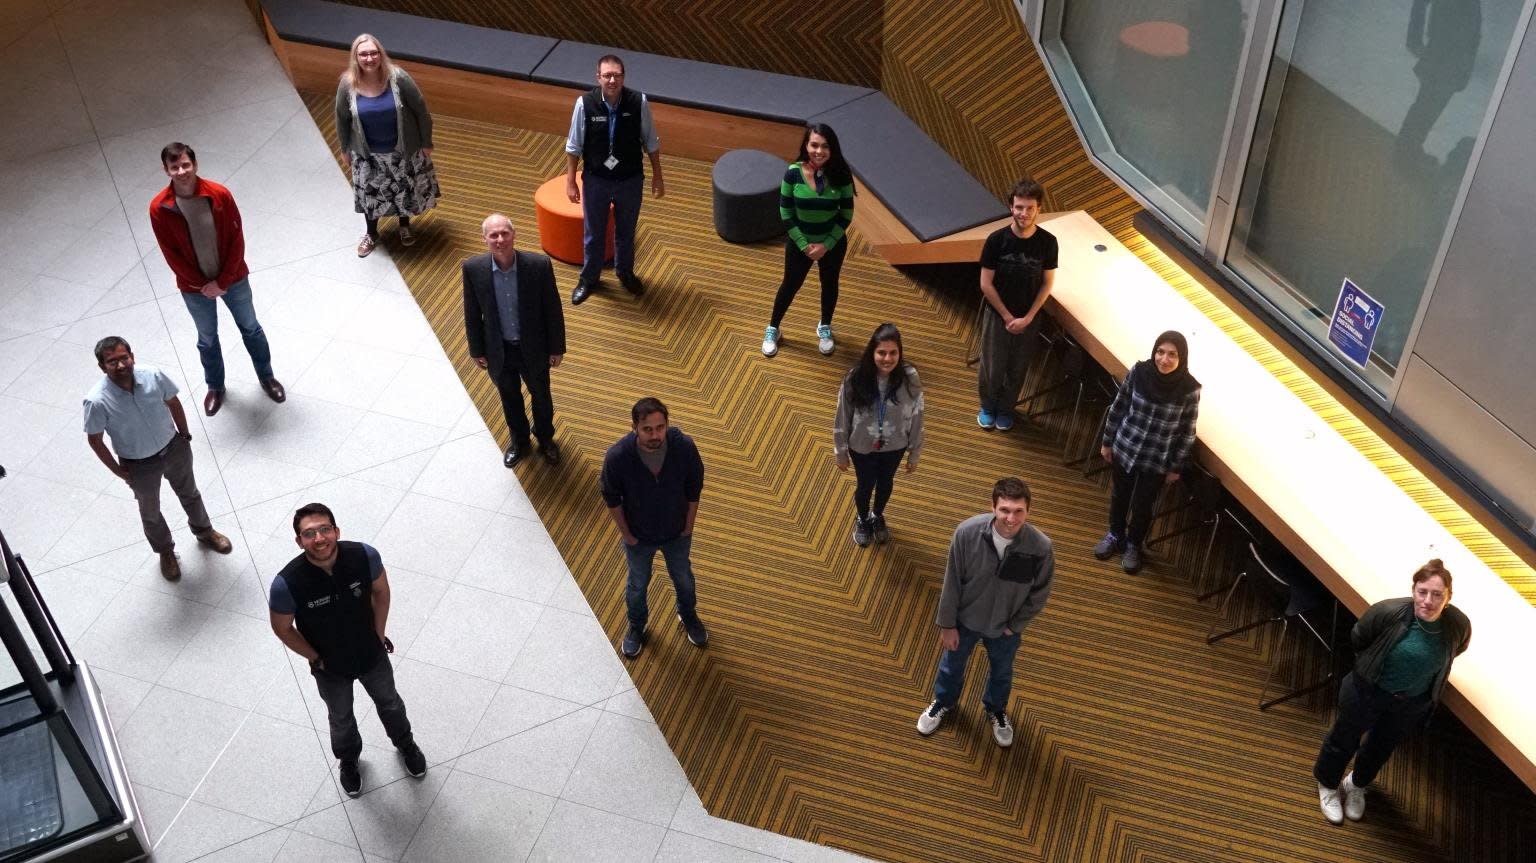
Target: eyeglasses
[
  {"x": 612, "y": 76},
  {"x": 361, "y": 54},
  {"x": 322, "y": 530}
]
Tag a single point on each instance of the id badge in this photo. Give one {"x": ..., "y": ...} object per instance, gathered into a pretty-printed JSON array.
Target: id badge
[{"x": 610, "y": 163}]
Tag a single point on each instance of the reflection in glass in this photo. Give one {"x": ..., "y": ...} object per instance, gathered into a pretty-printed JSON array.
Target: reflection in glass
[
  {"x": 1369, "y": 118},
  {"x": 1157, "y": 80}
]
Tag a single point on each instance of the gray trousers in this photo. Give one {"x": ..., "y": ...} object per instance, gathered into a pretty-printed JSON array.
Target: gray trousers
[
  {"x": 379, "y": 683},
  {"x": 174, "y": 463},
  {"x": 1004, "y": 359}
]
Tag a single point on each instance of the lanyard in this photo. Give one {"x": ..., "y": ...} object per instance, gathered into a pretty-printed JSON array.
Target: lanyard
[
  {"x": 880, "y": 418},
  {"x": 613, "y": 122}
]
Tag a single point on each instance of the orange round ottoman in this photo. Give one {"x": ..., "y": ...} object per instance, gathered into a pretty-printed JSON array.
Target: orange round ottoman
[{"x": 560, "y": 222}]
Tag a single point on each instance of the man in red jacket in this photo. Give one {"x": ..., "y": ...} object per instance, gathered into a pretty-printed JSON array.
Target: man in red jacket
[{"x": 198, "y": 227}]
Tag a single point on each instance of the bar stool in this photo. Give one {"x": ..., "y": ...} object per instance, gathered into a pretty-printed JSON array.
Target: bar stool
[
  {"x": 1293, "y": 594},
  {"x": 1198, "y": 491}
]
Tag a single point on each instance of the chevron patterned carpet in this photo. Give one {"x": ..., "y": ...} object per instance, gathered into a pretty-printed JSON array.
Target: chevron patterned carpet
[{"x": 1136, "y": 741}]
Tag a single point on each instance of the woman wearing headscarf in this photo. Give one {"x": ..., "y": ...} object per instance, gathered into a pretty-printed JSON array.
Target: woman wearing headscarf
[
  {"x": 1148, "y": 438},
  {"x": 385, "y": 133}
]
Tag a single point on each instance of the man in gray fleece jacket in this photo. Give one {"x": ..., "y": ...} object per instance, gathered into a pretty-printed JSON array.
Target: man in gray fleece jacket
[{"x": 997, "y": 579}]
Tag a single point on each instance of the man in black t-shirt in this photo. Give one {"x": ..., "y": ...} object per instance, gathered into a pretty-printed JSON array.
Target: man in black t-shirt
[
  {"x": 1018, "y": 268},
  {"x": 329, "y": 605}
]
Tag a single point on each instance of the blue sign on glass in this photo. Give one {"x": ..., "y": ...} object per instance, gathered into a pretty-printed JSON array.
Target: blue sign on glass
[{"x": 1356, "y": 317}]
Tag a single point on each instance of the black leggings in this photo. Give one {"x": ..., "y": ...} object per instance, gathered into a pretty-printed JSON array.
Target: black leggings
[
  {"x": 373, "y": 225},
  {"x": 876, "y": 473},
  {"x": 797, "y": 266}
]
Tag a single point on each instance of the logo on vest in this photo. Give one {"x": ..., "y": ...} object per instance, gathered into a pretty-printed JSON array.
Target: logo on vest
[
  {"x": 316, "y": 603},
  {"x": 357, "y": 589}
]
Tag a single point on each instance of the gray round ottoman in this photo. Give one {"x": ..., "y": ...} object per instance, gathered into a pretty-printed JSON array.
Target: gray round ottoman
[{"x": 747, "y": 196}]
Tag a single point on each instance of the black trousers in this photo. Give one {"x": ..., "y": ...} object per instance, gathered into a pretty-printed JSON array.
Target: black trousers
[
  {"x": 875, "y": 472},
  {"x": 1382, "y": 718},
  {"x": 797, "y": 266},
  {"x": 515, "y": 373},
  {"x": 1134, "y": 494}
]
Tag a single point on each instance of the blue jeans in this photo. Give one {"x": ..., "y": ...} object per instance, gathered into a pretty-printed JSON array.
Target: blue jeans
[
  {"x": 205, "y": 315},
  {"x": 625, "y": 196},
  {"x": 639, "y": 558},
  {"x": 951, "y": 677}
]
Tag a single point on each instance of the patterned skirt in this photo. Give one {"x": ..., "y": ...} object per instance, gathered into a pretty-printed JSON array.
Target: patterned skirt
[{"x": 392, "y": 184}]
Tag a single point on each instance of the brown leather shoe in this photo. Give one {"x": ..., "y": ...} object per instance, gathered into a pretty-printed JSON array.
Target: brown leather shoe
[
  {"x": 274, "y": 390},
  {"x": 213, "y": 401},
  {"x": 170, "y": 570},
  {"x": 214, "y": 540}
]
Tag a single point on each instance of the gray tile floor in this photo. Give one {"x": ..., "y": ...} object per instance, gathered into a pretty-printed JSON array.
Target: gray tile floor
[{"x": 540, "y": 747}]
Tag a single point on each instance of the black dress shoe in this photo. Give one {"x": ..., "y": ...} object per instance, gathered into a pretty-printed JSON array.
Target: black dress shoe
[
  {"x": 551, "y": 452},
  {"x": 583, "y": 290},
  {"x": 632, "y": 283},
  {"x": 514, "y": 454}
]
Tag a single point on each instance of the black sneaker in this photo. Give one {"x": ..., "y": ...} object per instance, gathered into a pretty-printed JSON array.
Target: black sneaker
[
  {"x": 698, "y": 636},
  {"x": 351, "y": 778},
  {"x": 878, "y": 528},
  {"x": 634, "y": 639},
  {"x": 415, "y": 761},
  {"x": 861, "y": 534}
]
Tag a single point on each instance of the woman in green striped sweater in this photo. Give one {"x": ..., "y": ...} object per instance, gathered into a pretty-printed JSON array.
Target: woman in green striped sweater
[{"x": 816, "y": 204}]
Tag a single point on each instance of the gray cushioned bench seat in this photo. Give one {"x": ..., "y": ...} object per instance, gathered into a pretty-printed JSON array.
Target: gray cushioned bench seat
[
  {"x": 410, "y": 37},
  {"x": 694, "y": 84},
  {"x": 916, "y": 180},
  {"x": 919, "y": 182}
]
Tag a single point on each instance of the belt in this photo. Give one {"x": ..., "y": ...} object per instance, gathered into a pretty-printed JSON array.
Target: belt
[{"x": 159, "y": 454}]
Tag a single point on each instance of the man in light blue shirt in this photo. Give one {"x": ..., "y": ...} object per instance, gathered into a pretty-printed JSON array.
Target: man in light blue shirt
[
  {"x": 139, "y": 410},
  {"x": 611, "y": 137}
]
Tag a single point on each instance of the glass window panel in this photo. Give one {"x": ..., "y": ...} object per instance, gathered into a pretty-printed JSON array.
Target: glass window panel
[
  {"x": 1370, "y": 115},
  {"x": 1151, "y": 84}
]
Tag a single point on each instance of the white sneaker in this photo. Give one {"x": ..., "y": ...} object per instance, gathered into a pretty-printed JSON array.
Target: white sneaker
[
  {"x": 1354, "y": 798},
  {"x": 1002, "y": 729},
  {"x": 824, "y": 342},
  {"x": 770, "y": 341},
  {"x": 929, "y": 721},
  {"x": 1328, "y": 798}
]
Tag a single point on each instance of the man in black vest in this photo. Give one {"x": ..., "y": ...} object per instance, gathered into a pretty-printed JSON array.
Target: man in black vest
[
  {"x": 329, "y": 605},
  {"x": 610, "y": 129},
  {"x": 516, "y": 330}
]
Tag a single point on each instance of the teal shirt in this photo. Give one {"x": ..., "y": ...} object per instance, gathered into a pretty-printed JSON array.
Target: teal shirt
[
  {"x": 1413, "y": 663},
  {"x": 814, "y": 217}
]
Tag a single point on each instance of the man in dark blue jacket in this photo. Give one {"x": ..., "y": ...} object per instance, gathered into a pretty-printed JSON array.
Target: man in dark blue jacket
[{"x": 651, "y": 482}]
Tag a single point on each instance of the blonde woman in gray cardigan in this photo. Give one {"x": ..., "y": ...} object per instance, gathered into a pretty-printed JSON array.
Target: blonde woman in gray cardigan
[
  {"x": 386, "y": 139},
  {"x": 879, "y": 418}
]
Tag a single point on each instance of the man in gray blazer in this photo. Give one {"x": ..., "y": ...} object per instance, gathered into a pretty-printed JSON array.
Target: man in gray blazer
[{"x": 516, "y": 331}]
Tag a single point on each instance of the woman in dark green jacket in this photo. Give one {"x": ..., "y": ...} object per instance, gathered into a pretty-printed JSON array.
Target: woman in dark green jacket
[{"x": 1403, "y": 654}]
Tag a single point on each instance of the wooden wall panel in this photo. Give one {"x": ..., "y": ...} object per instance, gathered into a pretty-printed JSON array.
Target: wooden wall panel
[
  {"x": 969, "y": 75},
  {"x": 834, "y": 42}
]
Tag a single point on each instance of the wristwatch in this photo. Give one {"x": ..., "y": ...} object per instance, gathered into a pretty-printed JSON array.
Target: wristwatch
[{"x": 186, "y": 436}]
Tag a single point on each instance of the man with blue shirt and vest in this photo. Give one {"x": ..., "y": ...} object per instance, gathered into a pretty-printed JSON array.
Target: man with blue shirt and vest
[
  {"x": 611, "y": 129},
  {"x": 330, "y": 606},
  {"x": 138, "y": 408},
  {"x": 651, "y": 482},
  {"x": 997, "y": 579}
]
